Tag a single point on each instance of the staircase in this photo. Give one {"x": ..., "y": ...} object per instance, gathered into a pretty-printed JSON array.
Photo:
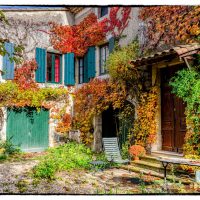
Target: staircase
[{"x": 150, "y": 165}]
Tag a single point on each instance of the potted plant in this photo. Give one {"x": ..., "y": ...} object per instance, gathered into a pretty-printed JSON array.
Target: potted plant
[{"x": 137, "y": 151}]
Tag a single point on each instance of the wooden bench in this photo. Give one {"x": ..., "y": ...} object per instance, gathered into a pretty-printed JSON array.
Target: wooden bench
[{"x": 181, "y": 161}]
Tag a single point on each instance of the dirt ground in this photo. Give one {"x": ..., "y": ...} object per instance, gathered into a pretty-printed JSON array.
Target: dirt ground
[{"x": 15, "y": 178}]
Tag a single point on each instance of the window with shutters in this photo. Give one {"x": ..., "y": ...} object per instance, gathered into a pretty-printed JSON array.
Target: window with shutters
[
  {"x": 103, "y": 11},
  {"x": 80, "y": 70},
  {"x": 54, "y": 67},
  {"x": 104, "y": 53}
]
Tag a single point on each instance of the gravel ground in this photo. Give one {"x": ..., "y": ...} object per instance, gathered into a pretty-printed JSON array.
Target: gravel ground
[{"x": 15, "y": 179}]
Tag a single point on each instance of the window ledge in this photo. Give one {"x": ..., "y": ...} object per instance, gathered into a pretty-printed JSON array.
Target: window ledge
[
  {"x": 103, "y": 76},
  {"x": 52, "y": 85}
]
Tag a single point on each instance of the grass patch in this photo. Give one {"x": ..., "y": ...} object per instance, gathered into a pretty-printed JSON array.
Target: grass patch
[{"x": 65, "y": 157}]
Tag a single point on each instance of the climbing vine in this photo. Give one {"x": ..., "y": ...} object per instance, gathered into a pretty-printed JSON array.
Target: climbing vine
[
  {"x": 186, "y": 85},
  {"x": 24, "y": 91},
  {"x": 92, "y": 99},
  {"x": 77, "y": 38},
  {"x": 120, "y": 69},
  {"x": 170, "y": 25},
  {"x": 117, "y": 21},
  {"x": 144, "y": 131}
]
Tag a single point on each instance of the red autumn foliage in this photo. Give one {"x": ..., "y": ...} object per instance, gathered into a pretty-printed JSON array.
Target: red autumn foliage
[
  {"x": 24, "y": 75},
  {"x": 65, "y": 124},
  {"x": 77, "y": 38},
  {"x": 118, "y": 20}
]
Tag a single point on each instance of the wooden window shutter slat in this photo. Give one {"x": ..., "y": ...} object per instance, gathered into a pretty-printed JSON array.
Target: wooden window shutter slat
[
  {"x": 8, "y": 66},
  {"x": 69, "y": 69},
  {"x": 40, "y": 56},
  {"x": 91, "y": 62},
  {"x": 111, "y": 44}
]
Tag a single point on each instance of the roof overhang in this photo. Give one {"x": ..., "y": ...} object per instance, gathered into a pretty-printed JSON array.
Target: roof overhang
[
  {"x": 181, "y": 51},
  {"x": 73, "y": 9}
]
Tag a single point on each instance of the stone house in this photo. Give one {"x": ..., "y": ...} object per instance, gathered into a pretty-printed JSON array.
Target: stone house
[
  {"x": 56, "y": 69},
  {"x": 29, "y": 28}
]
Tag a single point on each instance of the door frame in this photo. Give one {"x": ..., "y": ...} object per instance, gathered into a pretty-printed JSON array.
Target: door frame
[{"x": 156, "y": 81}]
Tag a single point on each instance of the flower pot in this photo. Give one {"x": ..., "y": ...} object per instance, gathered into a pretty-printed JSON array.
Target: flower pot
[{"x": 136, "y": 158}]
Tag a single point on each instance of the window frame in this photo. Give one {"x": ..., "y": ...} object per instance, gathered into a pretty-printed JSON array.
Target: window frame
[
  {"x": 79, "y": 67},
  {"x": 101, "y": 14},
  {"x": 102, "y": 65},
  {"x": 53, "y": 54}
]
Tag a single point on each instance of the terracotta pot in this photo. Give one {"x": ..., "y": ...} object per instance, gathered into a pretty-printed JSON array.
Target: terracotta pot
[{"x": 136, "y": 158}]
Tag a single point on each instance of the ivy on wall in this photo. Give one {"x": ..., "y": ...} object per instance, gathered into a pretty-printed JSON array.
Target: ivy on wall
[
  {"x": 77, "y": 38},
  {"x": 186, "y": 85},
  {"x": 92, "y": 99},
  {"x": 24, "y": 91},
  {"x": 144, "y": 131}
]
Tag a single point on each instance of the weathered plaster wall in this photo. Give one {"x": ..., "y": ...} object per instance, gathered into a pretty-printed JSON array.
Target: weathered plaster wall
[
  {"x": 36, "y": 36},
  {"x": 131, "y": 30}
]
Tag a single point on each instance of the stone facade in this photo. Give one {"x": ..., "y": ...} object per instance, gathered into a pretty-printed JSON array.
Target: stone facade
[{"x": 37, "y": 36}]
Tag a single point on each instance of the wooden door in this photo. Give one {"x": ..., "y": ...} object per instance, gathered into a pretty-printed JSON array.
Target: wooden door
[
  {"x": 173, "y": 125},
  {"x": 28, "y": 128}
]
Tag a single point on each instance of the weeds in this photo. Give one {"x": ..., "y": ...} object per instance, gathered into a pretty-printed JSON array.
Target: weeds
[
  {"x": 7, "y": 148},
  {"x": 66, "y": 157}
]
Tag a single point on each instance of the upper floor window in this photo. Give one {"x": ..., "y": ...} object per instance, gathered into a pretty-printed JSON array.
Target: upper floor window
[
  {"x": 81, "y": 70},
  {"x": 104, "y": 52},
  {"x": 53, "y": 68},
  {"x": 103, "y": 11}
]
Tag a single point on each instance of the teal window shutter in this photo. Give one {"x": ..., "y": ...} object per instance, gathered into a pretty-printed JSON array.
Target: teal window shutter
[
  {"x": 111, "y": 44},
  {"x": 85, "y": 73},
  {"x": 40, "y": 56},
  {"x": 69, "y": 78},
  {"x": 61, "y": 68},
  {"x": 8, "y": 66},
  {"x": 91, "y": 62}
]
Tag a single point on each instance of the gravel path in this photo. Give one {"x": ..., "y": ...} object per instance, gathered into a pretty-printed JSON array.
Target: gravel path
[{"x": 15, "y": 179}]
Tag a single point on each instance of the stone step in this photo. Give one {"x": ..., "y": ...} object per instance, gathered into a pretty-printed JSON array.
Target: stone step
[
  {"x": 166, "y": 154},
  {"x": 157, "y": 167},
  {"x": 184, "y": 180},
  {"x": 150, "y": 158}
]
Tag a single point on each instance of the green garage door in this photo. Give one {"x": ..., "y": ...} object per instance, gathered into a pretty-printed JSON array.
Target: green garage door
[{"x": 28, "y": 128}]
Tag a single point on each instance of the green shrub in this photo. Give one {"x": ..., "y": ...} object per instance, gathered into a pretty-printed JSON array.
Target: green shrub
[
  {"x": 65, "y": 157},
  {"x": 9, "y": 148},
  {"x": 186, "y": 85}
]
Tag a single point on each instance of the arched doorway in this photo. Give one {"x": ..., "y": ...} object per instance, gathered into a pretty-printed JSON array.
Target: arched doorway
[
  {"x": 118, "y": 122},
  {"x": 110, "y": 123}
]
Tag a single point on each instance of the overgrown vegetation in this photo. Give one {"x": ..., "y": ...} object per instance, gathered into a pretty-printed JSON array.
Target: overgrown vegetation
[
  {"x": 144, "y": 131},
  {"x": 119, "y": 68},
  {"x": 66, "y": 157},
  {"x": 92, "y": 99},
  {"x": 186, "y": 85},
  {"x": 7, "y": 148}
]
